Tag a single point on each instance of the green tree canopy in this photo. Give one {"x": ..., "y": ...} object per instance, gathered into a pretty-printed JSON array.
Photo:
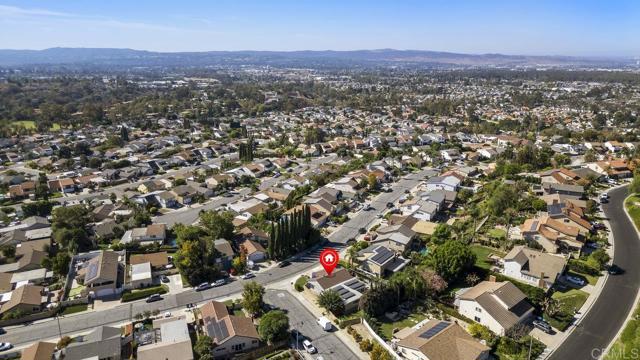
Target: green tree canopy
[
  {"x": 331, "y": 301},
  {"x": 452, "y": 259},
  {"x": 252, "y": 297},
  {"x": 273, "y": 326}
]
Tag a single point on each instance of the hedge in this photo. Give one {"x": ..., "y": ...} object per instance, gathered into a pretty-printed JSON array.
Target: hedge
[
  {"x": 583, "y": 267},
  {"x": 143, "y": 293}
]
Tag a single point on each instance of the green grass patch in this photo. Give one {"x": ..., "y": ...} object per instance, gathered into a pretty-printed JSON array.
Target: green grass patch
[
  {"x": 143, "y": 293},
  {"x": 27, "y": 124},
  {"x": 76, "y": 291},
  {"x": 74, "y": 309},
  {"x": 569, "y": 300},
  {"x": 482, "y": 255},
  {"x": 497, "y": 233},
  {"x": 386, "y": 327},
  {"x": 633, "y": 208}
]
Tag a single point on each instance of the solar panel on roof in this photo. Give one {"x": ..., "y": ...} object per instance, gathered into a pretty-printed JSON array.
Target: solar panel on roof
[
  {"x": 358, "y": 286},
  {"x": 434, "y": 330},
  {"x": 218, "y": 329},
  {"x": 350, "y": 282},
  {"x": 92, "y": 271},
  {"x": 346, "y": 296},
  {"x": 534, "y": 225},
  {"x": 382, "y": 256}
]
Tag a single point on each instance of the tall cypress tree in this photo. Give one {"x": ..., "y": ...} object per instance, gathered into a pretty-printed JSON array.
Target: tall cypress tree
[{"x": 270, "y": 245}]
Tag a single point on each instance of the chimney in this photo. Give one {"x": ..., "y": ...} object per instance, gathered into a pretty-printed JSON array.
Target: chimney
[
  {"x": 541, "y": 283},
  {"x": 492, "y": 278}
]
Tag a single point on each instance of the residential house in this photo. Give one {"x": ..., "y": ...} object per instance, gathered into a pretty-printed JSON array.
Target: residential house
[
  {"x": 171, "y": 341},
  {"x": 348, "y": 287},
  {"x": 184, "y": 194},
  {"x": 449, "y": 182},
  {"x": 230, "y": 334},
  {"x": 576, "y": 191},
  {"x": 140, "y": 275},
  {"x": 552, "y": 235},
  {"x": 533, "y": 267},
  {"x": 38, "y": 351},
  {"x": 223, "y": 247},
  {"x": 26, "y": 299},
  {"x": 152, "y": 234},
  {"x": 255, "y": 252},
  {"x": 497, "y": 305},
  {"x": 441, "y": 340},
  {"x": 103, "y": 343},
  {"x": 102, "y": 275},
  {"x": 398, "y": 238},
  {"x": 380, "y": 261}
]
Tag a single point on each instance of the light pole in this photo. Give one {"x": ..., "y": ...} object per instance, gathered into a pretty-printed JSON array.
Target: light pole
[{"x": 298, "y": 335}]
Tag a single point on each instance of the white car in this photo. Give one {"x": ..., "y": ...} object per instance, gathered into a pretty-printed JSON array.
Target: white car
[
  {"x": 248, "y": 276},
  {"x": 575, "y": 280},
  {"x": 309, "y": 347},
  {"x": 5, "y": 346}
]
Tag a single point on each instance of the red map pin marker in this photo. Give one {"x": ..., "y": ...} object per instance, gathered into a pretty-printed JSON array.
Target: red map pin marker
[{"x": 329, "y": 260}]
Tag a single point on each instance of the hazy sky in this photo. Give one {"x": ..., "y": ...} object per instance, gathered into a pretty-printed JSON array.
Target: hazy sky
[{"x": 561, "y": 27}]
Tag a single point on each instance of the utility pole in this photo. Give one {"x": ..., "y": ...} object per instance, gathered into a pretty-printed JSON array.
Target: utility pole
[
  {"x": 530, "y": 342},
  {"x": 59, "y": 327}
]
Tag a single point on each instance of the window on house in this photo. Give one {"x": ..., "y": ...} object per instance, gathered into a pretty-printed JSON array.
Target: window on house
[
  {"x": 477, "y": 319},
  {"x": 479, "y": 309}
]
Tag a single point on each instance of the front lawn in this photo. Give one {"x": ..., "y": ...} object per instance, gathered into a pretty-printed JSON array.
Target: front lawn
[
  {"x": 74, "y": 309},
  {"x": 569, "y": 301},
  {"x": 497, "y": 233},
  {"x": 75, "y": 291}
]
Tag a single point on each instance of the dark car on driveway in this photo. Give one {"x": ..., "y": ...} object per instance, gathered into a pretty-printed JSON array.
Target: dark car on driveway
[
  {"x": 284, "y": 264},
  {"x": 543, "y": 325}
]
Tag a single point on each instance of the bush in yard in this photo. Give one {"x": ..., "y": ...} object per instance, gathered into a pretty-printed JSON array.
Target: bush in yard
[
  {"x": 583, "y": 267},
  {"x": 379, "y": 353},
  {"x": 300, "y": 283},
  {"x": 366, "y": 345},
  {"x": 331, "y": 301}
]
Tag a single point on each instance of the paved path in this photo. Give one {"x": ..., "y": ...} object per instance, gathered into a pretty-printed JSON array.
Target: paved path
[{"x": 601, "y": 324}]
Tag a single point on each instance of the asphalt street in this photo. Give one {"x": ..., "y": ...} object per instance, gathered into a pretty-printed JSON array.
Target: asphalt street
[
  {"x": 328, "y": 344},
  {"x": 601, "y": 324}
]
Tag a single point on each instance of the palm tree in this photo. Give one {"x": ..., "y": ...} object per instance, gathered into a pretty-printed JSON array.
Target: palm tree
[{"x": 352, "y": 253}]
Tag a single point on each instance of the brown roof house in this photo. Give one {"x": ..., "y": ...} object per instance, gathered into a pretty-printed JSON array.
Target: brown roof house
[
  {"x": 255, "y": 251},
  {"x": 553, "y": 235},
  {"x": 346, "y": 285},
  {"x": 27, "y": 299},
  {"x": 231, "y": 334},
  {"x": 102, "y": 275},
  {"x": 497, "y": 305},
  {"x": 441, "y": 340},
  {"x": 533, "y": 267},
  {"x": 38, "y": 351}
]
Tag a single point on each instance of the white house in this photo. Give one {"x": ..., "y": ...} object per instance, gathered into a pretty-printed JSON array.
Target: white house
[
  {"x": 497, "y": 305},
  {"x": 448, "y": 182},
  {"x": 533, "y": 267}
]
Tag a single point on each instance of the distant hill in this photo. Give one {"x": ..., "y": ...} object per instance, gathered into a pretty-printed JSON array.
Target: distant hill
[{"x": 129, "y": 57}]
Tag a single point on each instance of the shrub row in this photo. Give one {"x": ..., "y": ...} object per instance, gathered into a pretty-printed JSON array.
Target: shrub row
[{"x": 143, "y": 293}]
